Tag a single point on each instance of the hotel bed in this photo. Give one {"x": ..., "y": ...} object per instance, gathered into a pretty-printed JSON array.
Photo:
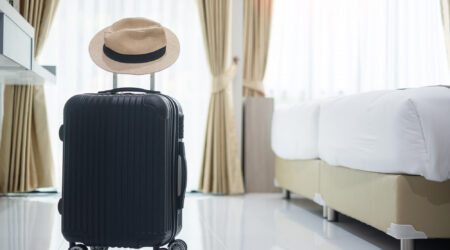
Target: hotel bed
[{"x": 381, "y": 157}]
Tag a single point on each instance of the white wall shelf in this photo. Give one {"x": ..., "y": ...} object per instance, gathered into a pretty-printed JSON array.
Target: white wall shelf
[{"x": 17, "y": 65}]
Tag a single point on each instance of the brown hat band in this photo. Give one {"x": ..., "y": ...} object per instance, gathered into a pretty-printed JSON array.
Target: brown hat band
[{"x": 141, "y": 58}]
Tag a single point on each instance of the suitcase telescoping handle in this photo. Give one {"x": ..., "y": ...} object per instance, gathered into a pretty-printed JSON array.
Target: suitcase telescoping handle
[{"x": 128, "y": 89}]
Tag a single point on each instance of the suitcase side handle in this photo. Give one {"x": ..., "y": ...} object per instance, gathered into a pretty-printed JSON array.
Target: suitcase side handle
[
  {"x": 182, "y": 194},
  {"x": 129, "y": 89}
]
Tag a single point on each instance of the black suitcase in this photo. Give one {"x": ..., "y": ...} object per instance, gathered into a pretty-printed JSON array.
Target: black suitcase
[{"x": 124, "y": 170}]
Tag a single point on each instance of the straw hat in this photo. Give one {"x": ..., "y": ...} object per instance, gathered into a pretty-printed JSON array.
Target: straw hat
[{"x": 134, "y": 46}]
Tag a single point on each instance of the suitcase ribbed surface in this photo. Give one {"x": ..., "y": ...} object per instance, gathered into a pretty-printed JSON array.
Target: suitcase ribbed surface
[{"x": 118, "y": 186}]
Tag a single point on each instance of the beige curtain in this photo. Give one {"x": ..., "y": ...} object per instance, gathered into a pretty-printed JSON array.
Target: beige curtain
[
  {"x": 257, "y": 19},
  {"x": 26, "y": 162},
  {"x": 221, "y": 167},
  {"x": 445, "y": 11}
]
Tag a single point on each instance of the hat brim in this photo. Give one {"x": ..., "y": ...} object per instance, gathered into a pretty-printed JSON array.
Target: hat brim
[{"x": 106, "y": 63}]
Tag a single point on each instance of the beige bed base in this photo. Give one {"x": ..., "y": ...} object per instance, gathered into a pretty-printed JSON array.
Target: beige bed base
[{"x": 404, "y": 206}]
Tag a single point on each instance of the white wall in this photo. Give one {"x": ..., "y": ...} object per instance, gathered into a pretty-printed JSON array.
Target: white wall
[{"x": 237, "y": 50}]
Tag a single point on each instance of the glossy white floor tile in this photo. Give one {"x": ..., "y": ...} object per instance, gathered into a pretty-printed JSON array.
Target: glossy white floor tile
[{"x": 249, "y": 222}]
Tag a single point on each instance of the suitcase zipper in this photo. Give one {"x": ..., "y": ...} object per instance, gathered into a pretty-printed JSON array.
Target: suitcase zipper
[{"x": 174, "y": 165}]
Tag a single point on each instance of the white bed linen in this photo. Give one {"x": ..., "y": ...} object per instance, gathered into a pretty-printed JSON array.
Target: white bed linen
[
  {"x": 400, "y": 131},
  {"x": 295, "y": 131}
]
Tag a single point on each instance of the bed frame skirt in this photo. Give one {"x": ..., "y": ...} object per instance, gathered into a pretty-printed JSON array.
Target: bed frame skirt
[{"x": 403, "y": 206}]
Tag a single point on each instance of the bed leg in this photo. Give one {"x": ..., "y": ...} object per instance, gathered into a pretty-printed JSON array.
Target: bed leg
[
  {"x": 331, "y": 214},
  {"x": 407, "y": 244},
  {"x": 286, "y": 194},
  {"x": 324, "y": 211}
]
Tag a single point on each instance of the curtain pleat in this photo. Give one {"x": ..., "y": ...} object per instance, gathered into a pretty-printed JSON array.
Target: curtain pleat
[
  {"x": 221, "y": 167},
  {"x": 41, "y": 160},
  {"x": 257, "y": 21},
  {"x": 26, "y": 161}
]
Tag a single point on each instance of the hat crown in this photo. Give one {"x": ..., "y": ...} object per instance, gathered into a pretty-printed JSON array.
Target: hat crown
[{"x": 135, "y": 36}]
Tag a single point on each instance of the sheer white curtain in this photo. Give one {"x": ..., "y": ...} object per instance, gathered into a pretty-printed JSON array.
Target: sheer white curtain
[
  {"x": 323, "y": 48},
  {"x": 187, "y": 80}
]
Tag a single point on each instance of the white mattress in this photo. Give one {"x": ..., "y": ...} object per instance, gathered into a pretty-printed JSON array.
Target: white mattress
[
  {"x": 401, "y": 131},
  {"x": 295, "y": 131}
]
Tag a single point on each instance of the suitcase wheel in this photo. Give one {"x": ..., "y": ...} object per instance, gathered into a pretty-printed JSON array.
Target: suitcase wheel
[
  {"x": 78, "y": 247},
  {"x": 178, "y": 245}
]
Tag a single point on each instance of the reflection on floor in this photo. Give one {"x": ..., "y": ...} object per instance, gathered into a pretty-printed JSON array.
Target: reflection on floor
[{"x": 250, "y": 222}]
